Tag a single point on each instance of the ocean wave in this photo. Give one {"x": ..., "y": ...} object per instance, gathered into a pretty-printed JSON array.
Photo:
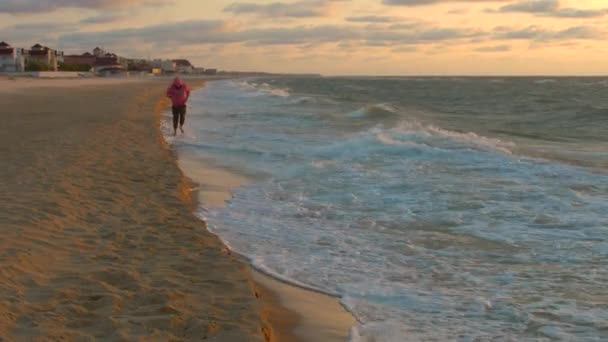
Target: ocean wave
[
  {"x": 474, "y": 139},
  {"x": 312, "y": 100},
  {"x": 303, "y": 100},
  {"x": 545, "y": 81},
  {"x": 261, "y": 89},
  {"x": 387, "y": 139},
  {"x": 410, "y": 137},
  {"x": 380, "y": 110},
  {"x": 402, "y": 135}
]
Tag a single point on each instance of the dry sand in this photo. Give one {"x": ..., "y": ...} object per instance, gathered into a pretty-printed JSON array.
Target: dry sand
[{"x": 96, "y": 239}]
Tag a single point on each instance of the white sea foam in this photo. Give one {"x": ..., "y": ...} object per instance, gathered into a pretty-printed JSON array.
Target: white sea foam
[
  {"x": 388, "y": 139},
  {"x": 379, "y": 110},
  {"x": 475, "y": 139},
  {"x": 391, "y": 137},
  {"x": 545, "y": 81},
  {"x": 260, "y": 89}
]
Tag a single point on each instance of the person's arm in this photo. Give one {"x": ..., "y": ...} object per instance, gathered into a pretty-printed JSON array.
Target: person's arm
[{"x": 169, "y": 92}]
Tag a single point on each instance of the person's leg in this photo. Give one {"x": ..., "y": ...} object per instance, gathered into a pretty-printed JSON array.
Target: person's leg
[
  {"x": 182, "y": 118},
  {"x": 175, "y": 119}
]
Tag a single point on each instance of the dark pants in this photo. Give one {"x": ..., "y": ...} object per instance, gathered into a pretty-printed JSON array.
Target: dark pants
[{"x": 179, "y": 114}]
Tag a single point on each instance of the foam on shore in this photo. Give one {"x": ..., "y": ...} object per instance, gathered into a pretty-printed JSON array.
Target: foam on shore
[{"x": 311, "y": 315}]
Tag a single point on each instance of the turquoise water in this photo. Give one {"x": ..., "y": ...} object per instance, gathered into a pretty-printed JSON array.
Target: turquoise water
[{"x": 466, "y": 209}]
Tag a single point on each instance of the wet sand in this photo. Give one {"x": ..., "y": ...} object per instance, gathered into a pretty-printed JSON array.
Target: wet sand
[
  {"x": 97, "y": 242},
  {"x": 296, "y": 314}
]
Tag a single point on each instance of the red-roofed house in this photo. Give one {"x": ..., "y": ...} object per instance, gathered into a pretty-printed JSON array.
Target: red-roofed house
[
  {"x": 98, "y": 52},
  {"x": 109, "y": 64},
  {"x": 11, "y": 59},
  {"x": 42, "y": 55},
  {"x": 86, "y": 58}
]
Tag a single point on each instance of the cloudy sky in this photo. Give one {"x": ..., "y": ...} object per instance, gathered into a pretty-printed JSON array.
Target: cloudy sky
[{"x": 385, "y": 37}]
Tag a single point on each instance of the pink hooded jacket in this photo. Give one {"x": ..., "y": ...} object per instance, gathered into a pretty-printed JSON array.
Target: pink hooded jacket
[{"x": 178, "y": 92}]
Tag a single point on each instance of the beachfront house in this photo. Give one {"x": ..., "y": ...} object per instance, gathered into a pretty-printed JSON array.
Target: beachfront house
[
  {"x": 82, "y": 62},
  {"x": 139, "y": 65},
  {"x": 110, "y": 64},
  {"x": 166, "y": 66},
  {"x": 99, "y": 52},
  {"x": 86, "y": 58},
  {"x": 11, "y": 59},
  {"x": 42, "y": 58},
  {"x": 183, "y": 66}
]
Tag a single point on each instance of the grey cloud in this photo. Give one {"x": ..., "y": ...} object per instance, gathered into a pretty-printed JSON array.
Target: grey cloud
[
  {"x": 533, "y": 6},
  {"x": 549, "y": 8},
  {"x": 406, "y": 26},
  {"x": 299, "y": 9},
  {"x": 217, "y": 32},
  {"x": 42, "y": 6},
  {"x": 103, "y": 18},
  {"x": 203, "y": 32},
  {"x": 578, "y": 32},
  {"x": 211, "y": 32},
  {"x": 42, "y": 27},
  {"x": 373, "y": 19},
  {"x": 430, "y": 2},
  {"x": 539, "y": 34},
  {"x": 578, "y": 13},
  {"x": 496, "y": 48},
  {"x": 46, "y": 33},
  {"x": 530, "y": 32}
]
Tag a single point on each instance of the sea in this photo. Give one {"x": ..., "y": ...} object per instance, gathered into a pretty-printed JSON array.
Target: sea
[{"x": 434, "y": 208}]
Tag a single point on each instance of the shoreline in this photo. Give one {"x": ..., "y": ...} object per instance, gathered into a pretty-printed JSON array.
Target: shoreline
[{"x": 295, "y": 312}]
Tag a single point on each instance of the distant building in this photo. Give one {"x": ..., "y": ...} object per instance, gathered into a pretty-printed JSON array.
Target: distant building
[
  {"x": 60, "y": 56},
  {"x": 166, "y": 66},
  {"x": 141, "y": 65},
  {"x": 44, "y": 56},
  {"x": 86, "y": 59},
  {"x": 98, "y": 52},
  {"x": 210, "y": 72},
  {"x": 109, "y": 64},
  {"x": 11, "y": 59},
  {"x": 183, "y": 66}
]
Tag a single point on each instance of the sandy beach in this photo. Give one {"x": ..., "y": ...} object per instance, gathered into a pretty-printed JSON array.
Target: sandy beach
[
  {"x": 99, "y": 238},
  {"x": 96, "y": 239}
]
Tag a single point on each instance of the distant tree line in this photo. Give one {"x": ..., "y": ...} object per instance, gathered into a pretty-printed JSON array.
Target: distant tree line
[
  {"x": 39, "y": 66},
  {"x": 36, "y": 66}
]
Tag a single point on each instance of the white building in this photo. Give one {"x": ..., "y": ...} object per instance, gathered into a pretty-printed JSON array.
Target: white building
[
  {"x": 11, "y": 59},
  {"x": 166, "y": 66},
  {"x": 183, "y": 66},
  {"x": 44, "y": 56}
]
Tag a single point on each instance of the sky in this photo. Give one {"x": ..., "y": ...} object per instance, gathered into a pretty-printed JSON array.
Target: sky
[{"x": 330, "y": 37}]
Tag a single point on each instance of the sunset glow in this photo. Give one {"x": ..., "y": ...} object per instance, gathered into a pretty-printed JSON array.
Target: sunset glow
[{"x": 372, "y": 37}]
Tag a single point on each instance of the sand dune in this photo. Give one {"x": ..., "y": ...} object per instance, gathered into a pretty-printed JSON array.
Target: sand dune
[{"x": 96, "y": 240}]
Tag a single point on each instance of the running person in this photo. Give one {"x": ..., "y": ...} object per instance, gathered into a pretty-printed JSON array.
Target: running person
[{"x": 179, "y": 93}]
